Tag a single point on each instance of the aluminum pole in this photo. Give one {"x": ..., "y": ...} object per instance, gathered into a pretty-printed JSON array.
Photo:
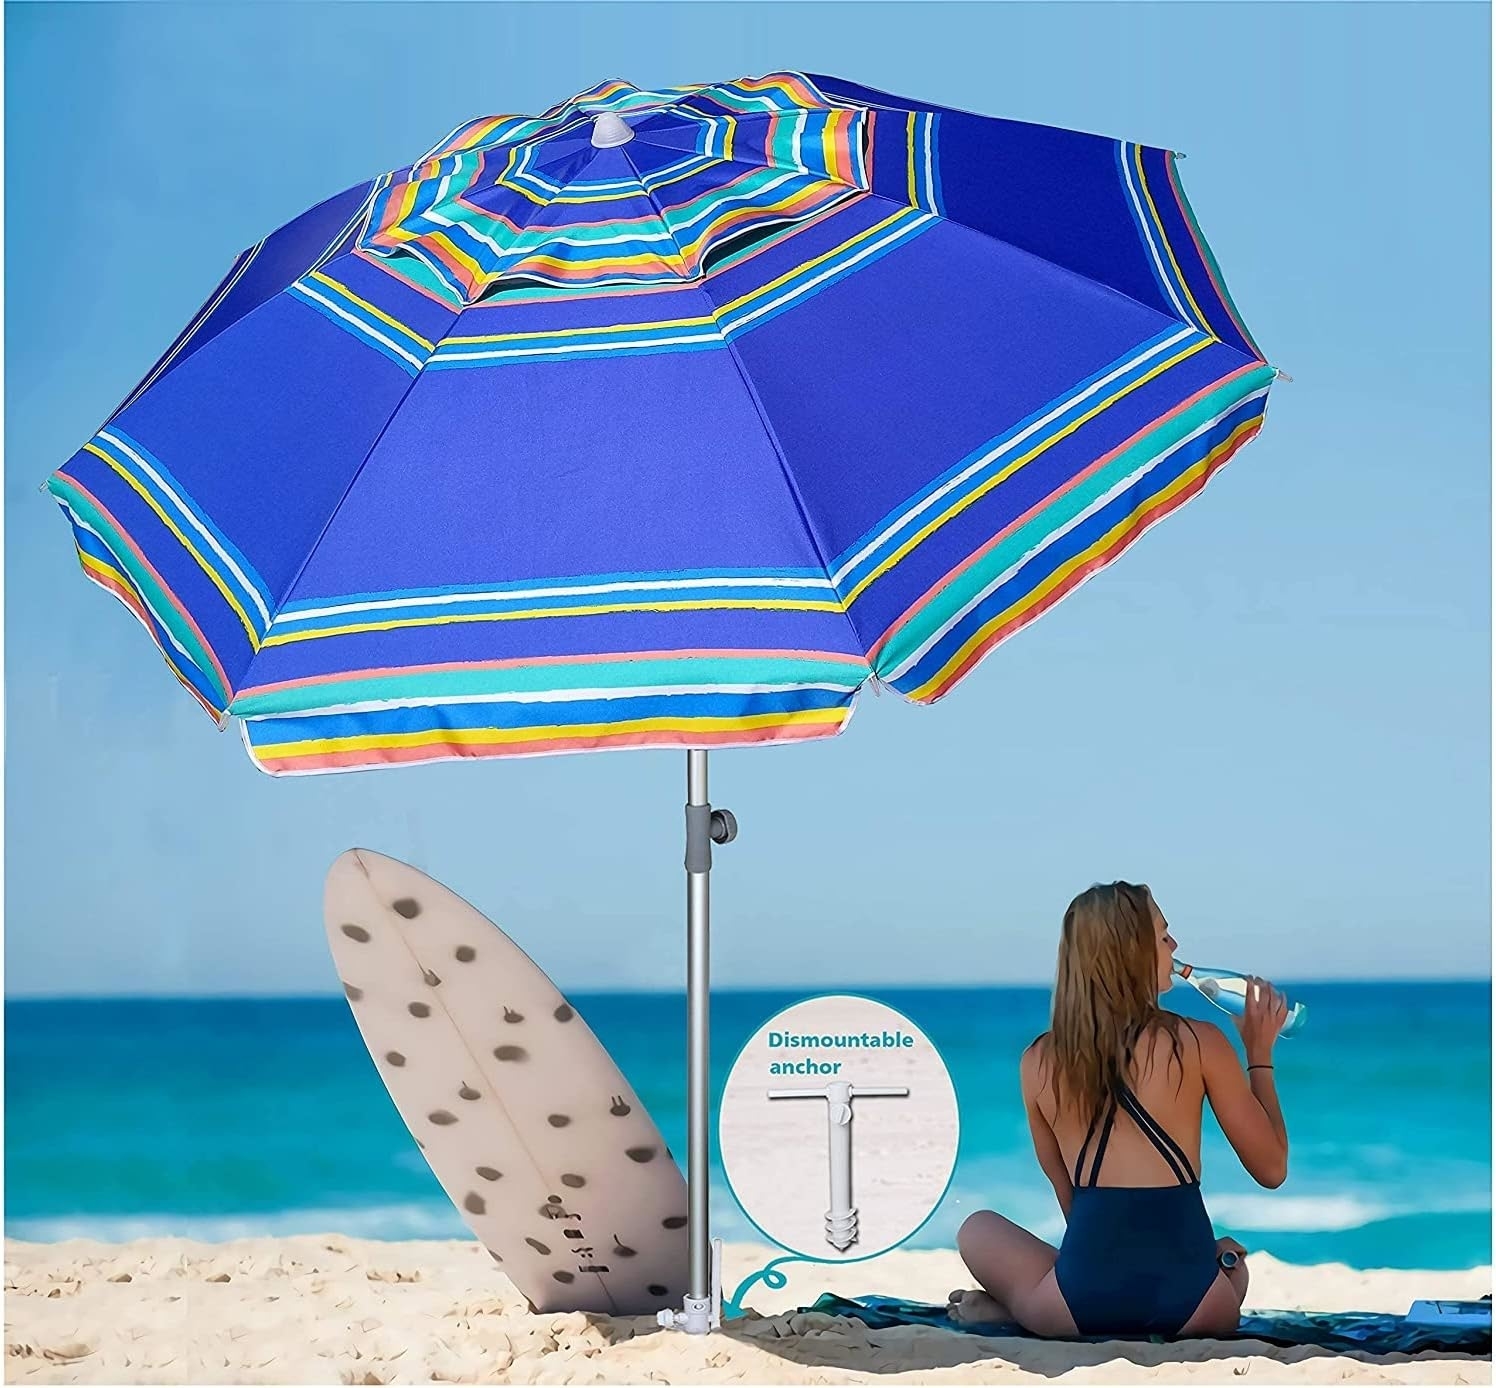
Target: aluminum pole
[{"x": 698, "y": 1002}]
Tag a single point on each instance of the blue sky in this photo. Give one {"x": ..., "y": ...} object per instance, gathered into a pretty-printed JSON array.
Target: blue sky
[{"x": 1275, "y": 709}]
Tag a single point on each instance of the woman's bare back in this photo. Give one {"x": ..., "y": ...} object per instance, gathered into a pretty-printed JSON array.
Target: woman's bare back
[{"x": 1171, "y": 1088}]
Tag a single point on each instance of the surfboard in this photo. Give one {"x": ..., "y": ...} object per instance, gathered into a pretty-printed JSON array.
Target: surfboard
[{"x": 525, "y": 1120}]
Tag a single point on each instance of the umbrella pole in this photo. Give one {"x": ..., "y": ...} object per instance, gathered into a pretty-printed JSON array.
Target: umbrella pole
[
  {"x": 698, "y": 1043},
  {"x": 704, "y": 827}
]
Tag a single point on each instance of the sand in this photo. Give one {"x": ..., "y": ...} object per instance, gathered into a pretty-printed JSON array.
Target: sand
[{"x": 329, "y": 1309}]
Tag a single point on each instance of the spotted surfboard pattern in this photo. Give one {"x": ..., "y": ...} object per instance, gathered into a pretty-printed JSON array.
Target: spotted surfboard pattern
[{"x": 523, "y": 1117}]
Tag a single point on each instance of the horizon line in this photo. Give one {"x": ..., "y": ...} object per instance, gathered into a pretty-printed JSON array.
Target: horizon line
[{"x": 717, "y": 990}]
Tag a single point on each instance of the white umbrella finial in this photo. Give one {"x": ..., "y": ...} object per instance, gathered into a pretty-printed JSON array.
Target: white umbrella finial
[{"x": 608, "y": 130}]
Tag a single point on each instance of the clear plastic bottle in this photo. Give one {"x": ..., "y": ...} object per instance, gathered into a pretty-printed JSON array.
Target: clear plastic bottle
[{"x": 1228, "y": 991}]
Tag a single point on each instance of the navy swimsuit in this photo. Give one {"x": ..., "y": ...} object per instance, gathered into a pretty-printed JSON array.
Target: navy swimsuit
[{"x": 1135, "y": 1260}]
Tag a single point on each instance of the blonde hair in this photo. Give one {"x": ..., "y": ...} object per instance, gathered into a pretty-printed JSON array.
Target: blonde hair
[{"x": 1105, "y": 994}]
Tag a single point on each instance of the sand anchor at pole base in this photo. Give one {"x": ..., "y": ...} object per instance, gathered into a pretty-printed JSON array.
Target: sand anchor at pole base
[{"x": 841, "y": 1218}]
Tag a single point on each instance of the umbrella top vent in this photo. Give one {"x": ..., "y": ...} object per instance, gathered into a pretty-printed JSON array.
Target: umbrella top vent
[{"x": 609, "y": 130}]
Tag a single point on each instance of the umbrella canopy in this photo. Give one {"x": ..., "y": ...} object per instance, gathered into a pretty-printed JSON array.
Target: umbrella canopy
[{"x": 663, "y": 418}]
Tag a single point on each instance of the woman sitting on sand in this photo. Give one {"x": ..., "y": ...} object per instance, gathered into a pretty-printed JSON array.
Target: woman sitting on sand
[{"x": 1114, "y": 1093}]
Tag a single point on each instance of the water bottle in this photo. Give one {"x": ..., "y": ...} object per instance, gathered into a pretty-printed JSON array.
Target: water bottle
[{"x": 1228, "y": 991}]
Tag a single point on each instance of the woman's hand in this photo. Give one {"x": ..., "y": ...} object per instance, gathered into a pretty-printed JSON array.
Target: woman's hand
[{"x": 1267, "y": 1011}]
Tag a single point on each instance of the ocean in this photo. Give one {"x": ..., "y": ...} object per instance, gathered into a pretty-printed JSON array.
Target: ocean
[{"x": 219, "y": 1118}]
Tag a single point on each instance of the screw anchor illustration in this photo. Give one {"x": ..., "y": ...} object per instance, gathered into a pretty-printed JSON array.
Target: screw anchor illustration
[{"x": 841, "y": 1218}]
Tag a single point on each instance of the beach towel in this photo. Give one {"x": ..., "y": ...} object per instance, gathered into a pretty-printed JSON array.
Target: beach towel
[{"x": 1365, "y": 1332}]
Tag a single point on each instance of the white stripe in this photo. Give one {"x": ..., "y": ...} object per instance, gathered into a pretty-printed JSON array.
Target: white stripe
[
  {"x": 494, "y": 353},
  {"x": 548, "y": 696},
  {"x": 727, "y": 327},
  {"x": 900, "y": 232},
  {"x": 606, "y": 187},
  {"x": 1147, "y": 227},
  {"x": 358, "y": 323},
  {"x": 987, "y": 458},
  {"x": 412, "y": 248},
  {"x": 447, "y": 139},
  {"x": 930, "y": 161},
  {"x": 135, "y": 587},
  {"x": 820, "y": 95},
  {"x": 759, "y": 195},
  {"x": 380, "y": 186},
  {"x": 537, "y": 240},
  {"x": 578, "y": 590},
  {"x": 516, "y": 756},
  {"x": 185, "y": 514},
  {"x": 1101, "y": 501},
  {"x": 658, "y": 177}
]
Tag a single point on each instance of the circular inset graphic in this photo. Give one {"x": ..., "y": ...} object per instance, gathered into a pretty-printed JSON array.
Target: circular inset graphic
[{"x": 838, "y": 1128}]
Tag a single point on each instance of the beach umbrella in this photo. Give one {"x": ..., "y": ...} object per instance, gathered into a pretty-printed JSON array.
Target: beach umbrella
[{"x": 664, "y": 419}]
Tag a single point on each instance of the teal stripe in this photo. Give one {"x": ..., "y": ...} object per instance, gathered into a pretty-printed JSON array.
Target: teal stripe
[
  {"x": 161, "y": 602},
  {"x": 943, "y": 607},
  {"x": 563, "y": 347},
  {"x": 557, "y": 603},
  {"x": 523, "y": 179},
  {"x": 455, "y": 685},
  {"x": 805, "y": 284},
  {"x": 1143, "y": 359},
  {"x": 668, "y": 576},
  {"x": 179, "y": 504},
  {"x": 419, "y": 269}
]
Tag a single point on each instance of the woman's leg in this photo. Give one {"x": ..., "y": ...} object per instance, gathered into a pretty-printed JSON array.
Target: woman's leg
[
  {"x": 1016, "y": 1270},
  {"x": 1219, "y": 1311}
]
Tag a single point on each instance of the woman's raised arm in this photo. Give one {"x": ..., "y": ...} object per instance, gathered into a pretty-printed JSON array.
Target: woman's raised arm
[{"x": 1245, "y": 1103}]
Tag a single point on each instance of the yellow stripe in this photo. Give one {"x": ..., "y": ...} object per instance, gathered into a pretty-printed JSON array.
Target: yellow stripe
[
  {"x": 1060, "y": 575},
  {"x": 425, "y": 173},
  {"x": 364, "y": 304},
  {"x": 607, "y": 262},
  {"x": 835, "y": 251},
  {"x": 579, "y": 198},
  {"x": 760, "y": 210},
  {"x": 913, "y": 186},
  {"x": 481, "y": 737},
  {"x": 929, "y": 529},
  {"x": 474, "y": 140},
  {"x": 696, "y": 322},
  {"x": 93, "y": 566},
  {"x": 601, "y": 330},
  {"x": 407, "y": 201},
  {"x": 694, "y": 245},
  {"x": 528, "y": 614},
  {"x": 502, "y": 180},
  {"x": 468, "y": 267},
  {"x": 228, "y": 597},
  {"x": 98, "y": 566},
  {"x": 1202, "y": 322}
]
